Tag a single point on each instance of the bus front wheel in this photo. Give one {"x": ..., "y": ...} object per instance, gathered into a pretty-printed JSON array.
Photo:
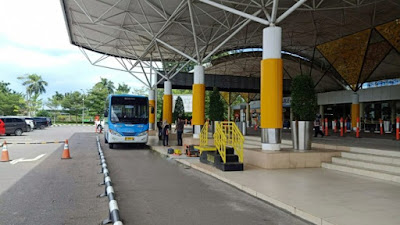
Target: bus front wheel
[{"x": 111, "y": 145}]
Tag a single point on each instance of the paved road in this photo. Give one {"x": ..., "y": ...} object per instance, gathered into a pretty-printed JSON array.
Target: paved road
[
  {"x": 56, "y": 191},
  {"x": 153, "y": 190},
  {"x": 18, "y": 151},
  {"x": 150, "y": 189}
]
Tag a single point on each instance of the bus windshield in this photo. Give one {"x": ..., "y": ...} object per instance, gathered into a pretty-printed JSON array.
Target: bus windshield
[{"x": 129, "y": 110}]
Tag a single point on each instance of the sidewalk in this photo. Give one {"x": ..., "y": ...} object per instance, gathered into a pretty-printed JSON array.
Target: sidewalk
[
  {"x": 317, "y": 195},
  {"x": 367, "y": 140}
]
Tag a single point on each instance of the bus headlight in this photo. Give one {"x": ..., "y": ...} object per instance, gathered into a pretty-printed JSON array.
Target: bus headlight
[
  {"x": 143, "y": 133},
  {"x": 115, "y": 133}
]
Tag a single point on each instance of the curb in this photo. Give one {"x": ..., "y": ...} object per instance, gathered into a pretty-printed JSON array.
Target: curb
[
  {"x": 75, "y": 125},
  {"x": 291, "y": 209},
  {"x": 108, "y": 190}
]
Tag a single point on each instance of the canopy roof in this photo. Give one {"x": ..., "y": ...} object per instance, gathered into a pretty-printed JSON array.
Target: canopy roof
[{"x": 181, "y": 30}]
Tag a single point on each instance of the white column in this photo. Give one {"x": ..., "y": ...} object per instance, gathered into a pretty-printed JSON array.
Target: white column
[
  {"x": 167, "y": 102},
  {"x": 198, "y": 78},
  {"x": 321, "y": 111},
  {"x": 247, "y": 114},
  {"x": 393, "y": 112},
  {"x": 271, "y": 134},
  {"x": 154, "y": 87}
]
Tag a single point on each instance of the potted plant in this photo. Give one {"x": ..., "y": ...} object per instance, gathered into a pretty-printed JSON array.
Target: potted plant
[
  {"x": 216, "y": 108},
  {"x": 304, "y": 106}
]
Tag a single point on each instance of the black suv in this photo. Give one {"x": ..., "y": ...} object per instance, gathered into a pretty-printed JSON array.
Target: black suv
[
  {"x": 40, "y": 122},
  {"x": 14, "y": 125}
]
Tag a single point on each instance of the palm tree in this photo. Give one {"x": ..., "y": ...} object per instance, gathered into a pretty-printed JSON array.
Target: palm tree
[
  {"x": 35, "y": 86},
  {"x": 107, "y": 84}
]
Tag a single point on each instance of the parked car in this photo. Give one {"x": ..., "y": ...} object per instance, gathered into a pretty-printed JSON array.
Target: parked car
[
  {"x": 14, "y": 125},
  {"x": 28, "y": 121},
  {"x": 40, "y": 122},
  {"x": 2, "y": 128},
  {"x": 48, "y": 119}
]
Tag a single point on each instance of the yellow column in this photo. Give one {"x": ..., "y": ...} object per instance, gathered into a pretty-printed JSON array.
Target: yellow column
[
  {"x": 355, "y": 110},
  {"x": 271, "y": 93},
  {"x": 152, "y": 116},
  {"x": 152, "y": 110},
  {"x": 167, "y": 102},
  {"x": 198, "y": 104},
  {"x": 271, "y": 89},
  {"x": 198, "y": 101}
]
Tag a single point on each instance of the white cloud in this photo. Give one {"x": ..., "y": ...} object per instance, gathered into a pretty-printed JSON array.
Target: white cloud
[
  {"x": 35, "y": 59},
  {"x": 34, "y": 24},
  {"x": 34, "y": 39}
]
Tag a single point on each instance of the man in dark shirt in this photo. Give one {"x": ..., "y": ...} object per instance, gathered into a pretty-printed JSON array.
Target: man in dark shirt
[
  {"x": 160, "y": 129},
  {"x": 179, "y": 130}
]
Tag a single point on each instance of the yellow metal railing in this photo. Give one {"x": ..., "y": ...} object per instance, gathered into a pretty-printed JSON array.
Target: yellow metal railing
[
  {"x": 228, "y": 134},
  {"x": 204, "y": 135}
]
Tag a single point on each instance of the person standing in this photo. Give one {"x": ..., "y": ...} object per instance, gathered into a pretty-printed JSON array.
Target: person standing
[
  {"x": 317, "y": 124},
  {"x": 160, "y": 129},
  {"x": 179, "y": 131},
  {"x": 165, "y": 134}
]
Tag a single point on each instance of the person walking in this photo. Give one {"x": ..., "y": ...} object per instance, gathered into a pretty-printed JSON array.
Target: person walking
[
  {"x": 165, "y": 134},
  {"x": 317, "y": 124},
  {"x": 179, "y": 131}
]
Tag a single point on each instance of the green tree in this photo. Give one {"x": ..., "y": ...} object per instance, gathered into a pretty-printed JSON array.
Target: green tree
[
  {"x": 35, "y": 86},
  {"x": 216, "y": 108},
  {"x": 43, "y": 113},
  {"x": 141, "y": 91},
  {"x": 123, "y": 89},
  {"x": 72, "y": 103},
  {"x": 160, "y": 94},
  {"x": 54, "y": 103},
  {"x": 108, "y": 84},
  {"x": 95, "y": 101},
  {"x": 304, "y": 99},
  {"x": 179, "y": 110},
  {"x": 11, "y": 102}
]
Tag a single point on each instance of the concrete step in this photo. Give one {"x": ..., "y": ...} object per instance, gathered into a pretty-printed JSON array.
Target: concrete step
[
  {"x": 363, "y": 172},
  {"x": 372, "y": 158},
  {"x": 387, "y": 168},
  {"x": 387, "y": 153}
]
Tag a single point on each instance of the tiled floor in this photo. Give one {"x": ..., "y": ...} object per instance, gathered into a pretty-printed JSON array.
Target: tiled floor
[{"x": 318, "y": 195}]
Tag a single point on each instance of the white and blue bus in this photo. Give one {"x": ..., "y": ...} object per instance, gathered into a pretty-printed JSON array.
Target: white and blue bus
[{"x": 127, "y": 119}]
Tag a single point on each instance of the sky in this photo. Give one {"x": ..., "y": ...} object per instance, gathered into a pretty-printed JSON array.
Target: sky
[{"x": 34, "y": 39}]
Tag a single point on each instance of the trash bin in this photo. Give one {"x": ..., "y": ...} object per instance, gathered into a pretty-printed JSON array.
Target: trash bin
[{"x": 242, "y": 127}]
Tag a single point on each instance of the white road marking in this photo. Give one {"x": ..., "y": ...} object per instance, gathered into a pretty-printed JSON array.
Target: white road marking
[
  {"x": 16, "y": 161},
  {"x": 27, "y": 160}
]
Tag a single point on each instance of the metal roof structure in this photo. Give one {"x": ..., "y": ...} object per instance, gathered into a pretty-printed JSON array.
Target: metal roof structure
[{"x": 346, "y": 42}]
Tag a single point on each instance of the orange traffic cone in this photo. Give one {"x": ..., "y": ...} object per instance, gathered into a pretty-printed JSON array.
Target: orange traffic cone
[
  {"x": 4, "y": 153},
  {"x": 65, "y": 154}
]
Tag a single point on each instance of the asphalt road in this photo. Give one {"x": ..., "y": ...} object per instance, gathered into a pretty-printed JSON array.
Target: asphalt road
[
  {"x": 56, "y": 191},
  {"x": 152, "y": 190}
]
